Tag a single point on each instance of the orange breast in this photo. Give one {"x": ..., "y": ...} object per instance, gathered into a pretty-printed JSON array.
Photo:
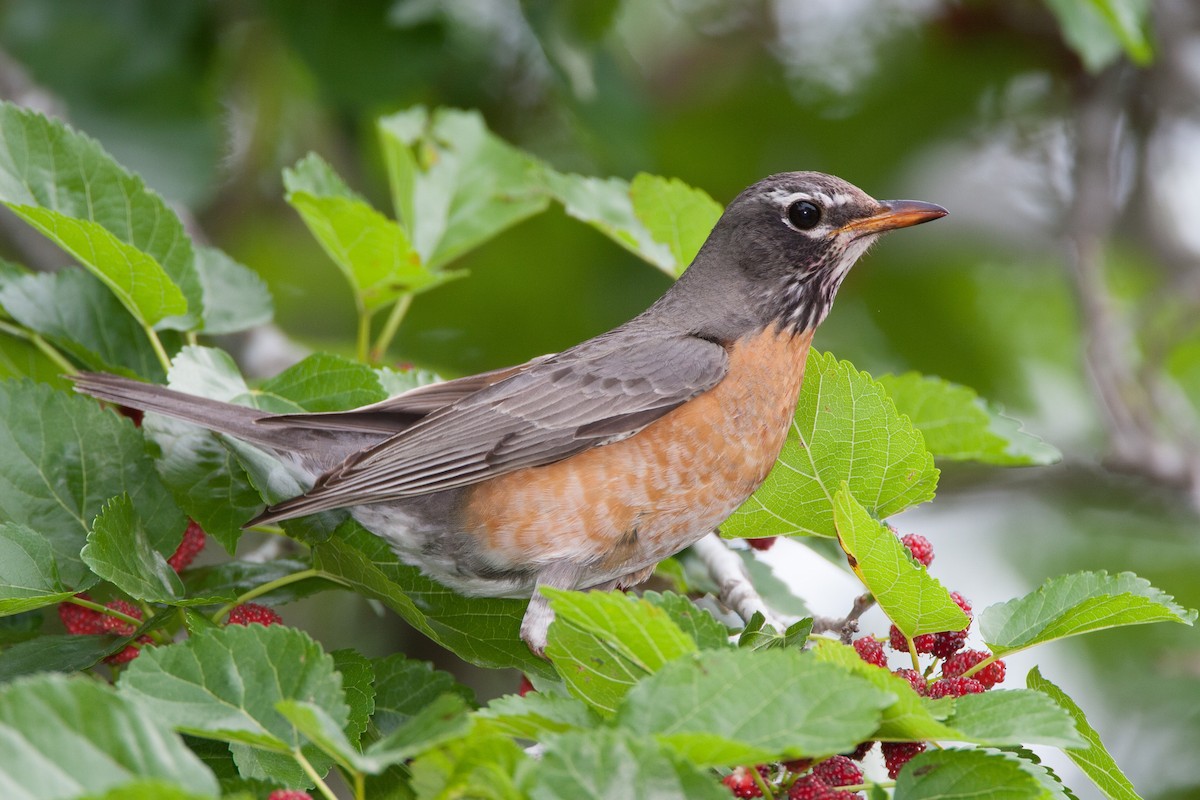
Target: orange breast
[{"x": 623, "y": 506}]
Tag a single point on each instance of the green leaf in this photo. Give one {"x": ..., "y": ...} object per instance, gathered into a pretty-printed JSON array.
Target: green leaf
[
  {"x": 55, "y": 653},
  {"x": 602, "y": 643},
  {"x": 605, "y": 204},
  {"x": 229, "y": 580},
  {"x": 224, "y": 684},
  {"x": 606, "y": 764},
  {"x": 403, "y": 687},
  {"x": 960, "y": 426},
  {"x": 483, "y": 631},
  {"x": 204, "y": 475},
  {"x": 537, "y": 714},
  {"x": 727, "y": 707},
  {"x": 20, "y": 627},
  {"x": 118, "y": 550},
  {"x": 480, "y": 766},
  {"x": 323, "y": 382},
  {"x": 60, "y": 741},
  {"x": 1073, "y": 604},
  {"x": 911, "y": 598},
  {"x": 20, "y": 358},
  {"x": 28, "y": 571},
  {"x": 158, "y": 790},
  {"x": 971, "y": 774},
  {"x": 846, "y": 429},
  {"x": 235, "y": 297},
  {"x": 358, "y": 682},
  {"x": 699, "y": 624},
  {"x": 455, "y": 184},
  {"x": 758, "y": 635},
  {"x": 372, "y": 251},
  {"x": 1100, "y": 30},
  {"x": 77, "y": 313},
  {"x": 1013, "y": 716},
  {"x": 61, "y": 458},
  {"x": 1093, "y": 758},
  {"x": 65, "y": 185},
  {"x": 678, "y": 215}
]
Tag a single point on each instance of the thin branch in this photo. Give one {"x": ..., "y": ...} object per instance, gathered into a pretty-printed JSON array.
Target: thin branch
[{"x": 734, "y": 588}]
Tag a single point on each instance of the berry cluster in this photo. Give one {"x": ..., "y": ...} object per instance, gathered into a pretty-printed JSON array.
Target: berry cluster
[
  {"x": 253, "y": 613},
  {"x": 83, "y": 621},
  {"x": 799, "y": 780}
]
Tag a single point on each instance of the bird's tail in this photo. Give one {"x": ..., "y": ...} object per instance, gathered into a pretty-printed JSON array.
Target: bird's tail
[{"x": 237, "y": 421}]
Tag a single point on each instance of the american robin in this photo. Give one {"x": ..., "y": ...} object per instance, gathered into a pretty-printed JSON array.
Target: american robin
[{"x": 585, "y": 468}]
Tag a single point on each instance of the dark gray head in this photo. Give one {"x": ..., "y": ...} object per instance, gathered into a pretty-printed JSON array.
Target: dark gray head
[{"x": 783, "y": 246}]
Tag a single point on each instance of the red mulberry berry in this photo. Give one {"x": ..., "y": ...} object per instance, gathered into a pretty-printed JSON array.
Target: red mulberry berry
[
  {"x": 798, "y": 764},
  {"x": 79, "y": 620},
  {"x": 914, "y": 678},
  {"x": 191, "y": 545},
  {"x": 741, "y": 782},
  {"x": 526, "y": 686},
  {"x": 870, "y": 650},
  {"x": 119, "y": 626},
  {"x": 860, "y": 752},
  {"x": 954, "y": 687},
  {"x": 989, "y": 676},
  {"x": 948, "y": 643},
  {"x": 764, "y": 543},
  {"x": 289, "y": 794},
  {"x": 838, "y": 771},
  {"x": 919, "y": 546},
  {"x": 809, "y": 787},
  {"x": 248, "y": 613},
  {"x": 962, "y": 603},
  {"x": 923, "y": 643},
  {"x": 897, "y": 754}
]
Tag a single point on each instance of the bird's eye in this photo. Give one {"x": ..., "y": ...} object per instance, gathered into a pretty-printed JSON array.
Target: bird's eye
[{"x": 804, "y": 215}]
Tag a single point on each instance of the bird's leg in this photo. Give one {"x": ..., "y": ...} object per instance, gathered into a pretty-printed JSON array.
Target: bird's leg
[{"x": 538, "y": 616}]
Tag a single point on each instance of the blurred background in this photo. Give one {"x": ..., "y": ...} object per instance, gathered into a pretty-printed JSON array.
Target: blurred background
[{"x": 1063, "y": 135}]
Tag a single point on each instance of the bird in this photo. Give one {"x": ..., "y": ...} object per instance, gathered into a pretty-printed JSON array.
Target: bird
[{"x": 584, "y": 469}]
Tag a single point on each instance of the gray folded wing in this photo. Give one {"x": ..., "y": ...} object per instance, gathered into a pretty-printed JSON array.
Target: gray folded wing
[{"x": 606, "y": 389}]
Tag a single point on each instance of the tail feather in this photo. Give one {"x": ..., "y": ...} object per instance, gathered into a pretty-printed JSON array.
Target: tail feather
[{"x": 228, "y": 418}]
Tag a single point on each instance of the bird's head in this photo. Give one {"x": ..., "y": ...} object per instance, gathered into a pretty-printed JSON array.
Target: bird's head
[{"x": 795, "y": 235}]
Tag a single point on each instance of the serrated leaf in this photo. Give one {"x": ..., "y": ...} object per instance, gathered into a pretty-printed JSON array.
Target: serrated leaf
[
  {"x": 66, "y": 186},
  {"x": 602, "y": 643},
  {"x": 1073, "y": 604},
  {"x": 758, "y": 635},
  {"x": 118, "y": 550},
  {"x": 605, "y": 204},
  {"x": 483, "y": 631},
  {"x": 606, "y": 764},
  {"x": 959, "y": 425},
  {"x": 77, "y": 313},
  {"x": 915, "y": 601},
  {"x": 371, "y": 250},
  {"x": 159, "y": 790},
  {"x": 323, "y": 382},
  {"x": 845, "y": 429},
  {"x": 1013, "y": 716},
  {"x": 970, "y": 774},
  {"x": 61, "y": 458},
  {"x": 537, "y": 714},
  {"x": 1100, "y": 30},
  {"x": 235, "y": 297},
  {"x": 28, "y": 572},
  {"x": 58, "y": 742},
  {"x": 1093, "y": 758},
  {"x": 454, "y": 183},
  {"x": 403, "y": 687},
  {"x": 678, "y": 215},
  {"x": 224, "y": 684},
  {"x": 727, "y": 707},
  {"x": 701, "y": 626},
  {"x": 358, "y": 682}
]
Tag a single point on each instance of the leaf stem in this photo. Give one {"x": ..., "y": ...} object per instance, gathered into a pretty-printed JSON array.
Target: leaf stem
[
  {"x": 47, "y": 349},
  {"x": 912, "y": 651},
  {"x": 105, "y": 610},
  {"x": 762, "y": 784},
  {"x": 363, "y": 344},
  {"x": 399, "y": 310},
  {"x": 360, "y": 786},
  {"x": 305, "y": 765},
  {"x": 990, "y": 659},
  {"x": 159, "y": 350},
  {"x": 265, "y": 588}
]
